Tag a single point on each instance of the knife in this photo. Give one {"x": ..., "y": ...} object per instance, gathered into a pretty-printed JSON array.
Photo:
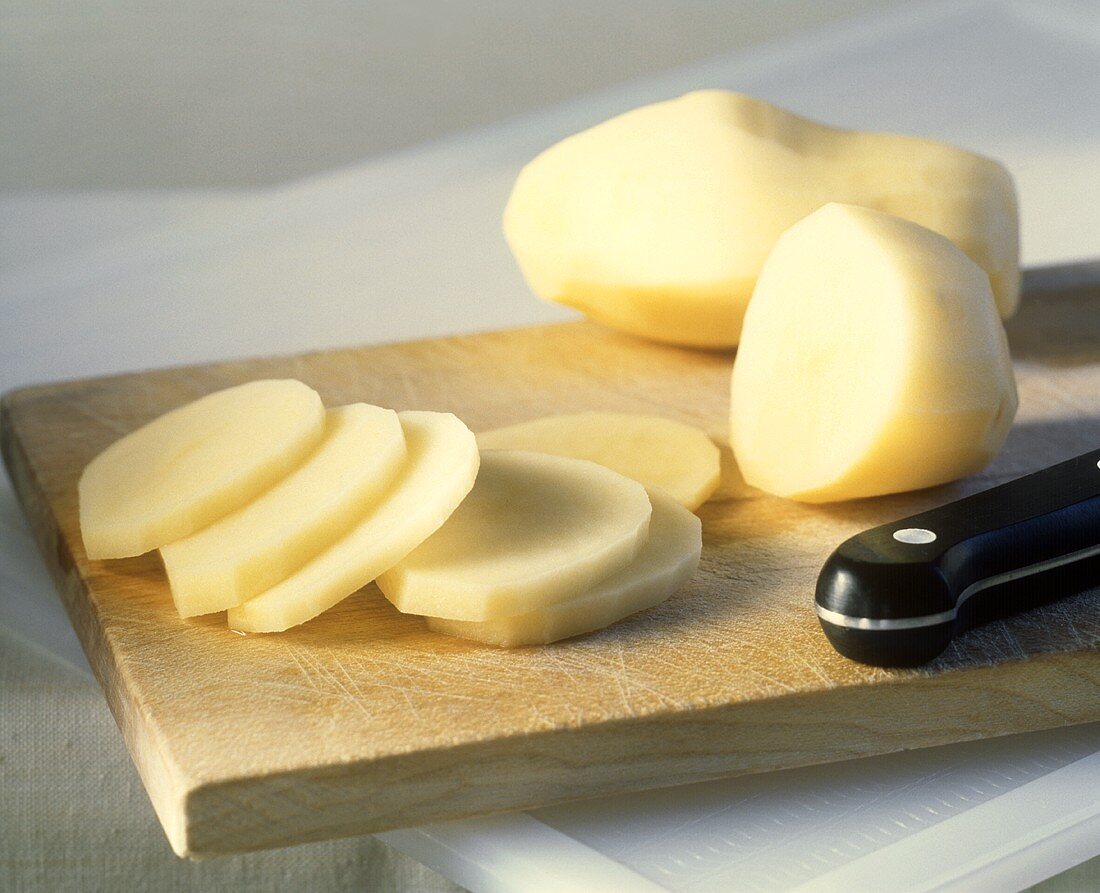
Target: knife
[{"x": 897, "y": 594}]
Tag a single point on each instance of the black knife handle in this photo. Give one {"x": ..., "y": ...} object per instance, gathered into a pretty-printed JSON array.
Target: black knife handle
[{"x": 895, "y": 595}]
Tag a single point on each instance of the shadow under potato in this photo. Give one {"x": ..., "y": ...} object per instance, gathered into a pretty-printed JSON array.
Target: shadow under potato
[
  {"x": 1058, "y": 321},
  {"x": 1035, "y": 444}
]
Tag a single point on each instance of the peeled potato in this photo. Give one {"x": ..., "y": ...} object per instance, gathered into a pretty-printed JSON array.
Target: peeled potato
[
  {"x": 654, "y": 451},
  {"x": 254, "y": 548},
  {"x": 440, "y": 470},
  {"x": 195, "y": 464},
  {"x": 535, "y": 530},
  {"x": 666, "y": 561},
  {"x": 872, "y": 361},
  {"x": 657, "y": 222}
]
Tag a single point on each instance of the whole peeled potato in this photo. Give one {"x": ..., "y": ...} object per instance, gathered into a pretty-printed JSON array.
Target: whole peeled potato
[{"x": 658, "y": 221}]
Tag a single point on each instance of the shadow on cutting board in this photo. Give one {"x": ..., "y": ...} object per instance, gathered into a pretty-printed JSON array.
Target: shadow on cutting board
[{"x": 1057, "y": 323}]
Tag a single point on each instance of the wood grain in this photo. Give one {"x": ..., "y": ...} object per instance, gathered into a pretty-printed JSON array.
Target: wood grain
[{"x": 362, "y": 720}]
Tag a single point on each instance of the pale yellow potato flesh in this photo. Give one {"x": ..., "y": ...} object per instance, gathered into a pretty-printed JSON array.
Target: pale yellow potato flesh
[
  {"x": 194, "y": 465},
  {"x": 440, "y": 470},
  {"x": 872, "y": 361},
  {"x": 251, "y": 550},
  {"x": 535, "y": 530},
  {"x": 665, "y": 563},
  {"x": 655, "y": 451},
  {"x": 657, "y": 222}
]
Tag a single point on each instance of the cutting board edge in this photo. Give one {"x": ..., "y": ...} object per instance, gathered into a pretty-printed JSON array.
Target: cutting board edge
[
  {"x": 19, "y": 393},
  {"x": 158, "y": 772},
  {"x": 220, "y": 817}
]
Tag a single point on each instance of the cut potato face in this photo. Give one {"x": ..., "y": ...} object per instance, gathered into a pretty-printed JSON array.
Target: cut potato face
[
  {"x": 254, "y": 548},
  {"x": 194, "y": 465},
  {"x": 440, "y": 470},
  {"x": 658, "y": 221},
  {"x": 535, "y": 530},
  {"x": 654, "y": 451},
  {"x": 667, "y": 561},
  {"x": 872, "y": 361}
]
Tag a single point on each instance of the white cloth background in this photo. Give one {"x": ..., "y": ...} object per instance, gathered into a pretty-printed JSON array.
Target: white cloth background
[{"x": 240, "y": 93}]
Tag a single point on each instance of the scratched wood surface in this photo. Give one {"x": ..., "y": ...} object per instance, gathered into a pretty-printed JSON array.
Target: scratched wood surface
[{"x": 362, "y": 720}]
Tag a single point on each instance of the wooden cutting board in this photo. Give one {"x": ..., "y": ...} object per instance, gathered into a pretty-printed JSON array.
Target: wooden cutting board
[{"x": 362, "y": 720}]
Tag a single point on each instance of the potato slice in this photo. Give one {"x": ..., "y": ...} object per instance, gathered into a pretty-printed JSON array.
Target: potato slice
[
  {"x": 873, "y": 361},
  {"x": 251, "y": 550},
  {"x": 666, "y": 561},
  {"x": 535, "y": 530},
  {"x": 440, "y": 470},
  {"x": 194, "y": 465},
  {"x": 657, "y": 222},
  {"x": 654, "y": 451}
]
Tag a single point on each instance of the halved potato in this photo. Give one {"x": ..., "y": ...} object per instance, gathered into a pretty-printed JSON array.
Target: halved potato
[
  {"x": 194, "y": 465},
  {"x": 872, "y": 361},
  {"x": 251, "y": 550},
  {"x": 655, "y": 451},
  {"x": 440, "y": 470},
  {"x": 666, "y": 561},
  {"x": 535, "y": 530}
]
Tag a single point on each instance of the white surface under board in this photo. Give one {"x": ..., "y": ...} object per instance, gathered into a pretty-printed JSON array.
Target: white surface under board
[
  {"x": 940, "y": 818},
  {"x": 409, "y": 246}
]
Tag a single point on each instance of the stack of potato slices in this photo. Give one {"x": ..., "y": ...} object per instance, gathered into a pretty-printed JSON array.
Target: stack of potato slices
[{"x": 267, "y": 506}]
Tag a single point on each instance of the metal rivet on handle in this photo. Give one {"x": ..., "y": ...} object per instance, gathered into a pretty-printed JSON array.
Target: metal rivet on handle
[{"x": 914, "y": 536}]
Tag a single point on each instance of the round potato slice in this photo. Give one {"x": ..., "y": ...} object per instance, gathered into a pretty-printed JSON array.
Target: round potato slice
[
  {"x": 872, "y": 361},
  {"x": 254, "y": 548},
  {"x": 440, "y": 470},
  {"x": 667, "y": 561},
  {"x": 654, "y": 451},
  {"x": 535, "y": 530},
  {"x": 194, "y": 465}
]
